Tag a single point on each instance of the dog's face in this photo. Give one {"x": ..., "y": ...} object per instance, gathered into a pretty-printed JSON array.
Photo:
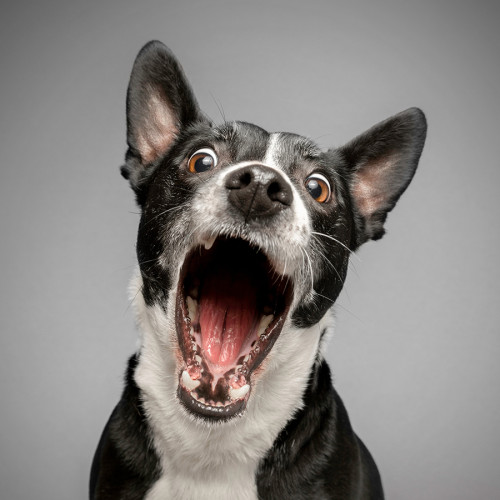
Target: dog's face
[{"x": 245, "y": 236}]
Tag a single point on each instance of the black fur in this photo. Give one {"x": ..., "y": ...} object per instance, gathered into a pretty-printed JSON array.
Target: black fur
[
  {"x": 125, "y": 465},
  {"x": 317, "y": 455}
]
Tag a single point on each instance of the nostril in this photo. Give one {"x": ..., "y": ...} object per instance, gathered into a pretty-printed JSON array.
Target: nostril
[
  {"x": 277, "y": 191},
  {"x": 246, "y": 179},
  {"x": 274, "y": 190},
  {"x": 239, "y": 181}
]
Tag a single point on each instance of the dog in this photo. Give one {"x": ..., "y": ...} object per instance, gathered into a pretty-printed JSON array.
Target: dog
[{"x": 243, "y": 248}]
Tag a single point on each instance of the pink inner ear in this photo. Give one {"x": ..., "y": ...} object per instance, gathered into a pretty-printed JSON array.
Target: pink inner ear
[
  {"x": 374, "y": 184},
  {"x": 158, "y": 131}
]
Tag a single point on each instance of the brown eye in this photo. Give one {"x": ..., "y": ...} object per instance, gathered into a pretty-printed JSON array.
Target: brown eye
[
  {"x": 202, "y": 160},
  {"x": 318, "y": 187}
]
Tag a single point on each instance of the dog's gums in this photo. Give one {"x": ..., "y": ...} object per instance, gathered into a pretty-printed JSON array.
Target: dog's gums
[{"x": 231, "y": 307}]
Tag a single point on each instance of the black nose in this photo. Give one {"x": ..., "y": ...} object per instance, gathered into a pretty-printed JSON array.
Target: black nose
[{"x": 258, "y": 191}]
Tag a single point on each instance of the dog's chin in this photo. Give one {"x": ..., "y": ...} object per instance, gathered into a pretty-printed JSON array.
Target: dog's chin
[{"x": 230, "y": 309}]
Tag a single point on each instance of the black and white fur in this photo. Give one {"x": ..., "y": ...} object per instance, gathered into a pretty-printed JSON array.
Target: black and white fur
[{"x": 288, "y": 436}]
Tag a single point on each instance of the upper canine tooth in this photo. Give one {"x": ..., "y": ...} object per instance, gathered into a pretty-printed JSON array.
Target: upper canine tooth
[
  {"x": 209, "y": 242},
  {"x": 192, "y": 306},
  {"x": 264, "y": 323}
]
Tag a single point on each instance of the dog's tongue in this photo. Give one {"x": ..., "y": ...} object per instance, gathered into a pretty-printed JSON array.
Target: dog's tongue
[{"x": 228, "y": 312}]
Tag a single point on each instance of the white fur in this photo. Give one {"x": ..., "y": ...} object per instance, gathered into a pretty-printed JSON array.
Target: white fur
[{"x": 272, "y": 150}]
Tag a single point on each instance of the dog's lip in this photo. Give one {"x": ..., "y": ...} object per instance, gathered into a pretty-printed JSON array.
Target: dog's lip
[
  {"x": 233, "y": 386},
  {"x": 210, "y": 411}
]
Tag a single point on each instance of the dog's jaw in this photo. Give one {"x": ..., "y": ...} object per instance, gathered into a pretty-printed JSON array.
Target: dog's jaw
[{"x": 231, "y": 306}]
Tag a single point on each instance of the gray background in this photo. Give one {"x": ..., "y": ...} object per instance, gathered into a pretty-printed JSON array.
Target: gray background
[{"x": 416, "y": 352}]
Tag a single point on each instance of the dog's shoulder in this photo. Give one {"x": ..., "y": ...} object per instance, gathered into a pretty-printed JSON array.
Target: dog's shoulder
[
  {"x": 318, "y": 449},
  {"x": 125, "y": 466}
]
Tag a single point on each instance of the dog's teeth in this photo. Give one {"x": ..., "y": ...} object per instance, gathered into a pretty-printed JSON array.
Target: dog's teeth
[
  {"x": 192, "y": 306},
  {"x": 188, "y": 382},
  {"x": 264, "y": 323},
  {"x": 209, "y": 243},
  {"x": 239, "y": 393}
]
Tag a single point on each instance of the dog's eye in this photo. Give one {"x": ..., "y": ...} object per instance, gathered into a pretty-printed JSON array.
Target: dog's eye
[
  {"x": 202, "y": 160},
  {"x": 318, "y": 187}
]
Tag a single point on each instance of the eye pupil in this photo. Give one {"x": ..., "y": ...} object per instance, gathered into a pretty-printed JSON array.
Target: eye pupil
[
  {"x": 203, "y": 164},
  {"x": 314, "y": 188},
  {"x": 202, "y": 160},
  {"x": 318, "y": 187}
]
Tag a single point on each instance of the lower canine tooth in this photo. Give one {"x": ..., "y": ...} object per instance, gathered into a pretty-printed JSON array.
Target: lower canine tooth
[
  {"x": 188, "y": 382},
  {"x": 239, "y": 393},
  {"x": 264, "y": 323}
]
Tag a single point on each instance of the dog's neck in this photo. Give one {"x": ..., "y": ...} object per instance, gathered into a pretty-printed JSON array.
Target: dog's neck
[{"x": 188, "y": 446}]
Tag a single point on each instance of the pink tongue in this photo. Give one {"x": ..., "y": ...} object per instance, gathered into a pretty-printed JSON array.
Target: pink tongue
[{"x": 228, "y": 311}]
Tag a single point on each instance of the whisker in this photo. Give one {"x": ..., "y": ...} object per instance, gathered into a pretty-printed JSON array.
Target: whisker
[
  {"x": 325, "y": 258},
  {"x": 132, "y": 300},
  {"x": 219, "y": 107},
  {"x": 331, "y": 264},
  {"x": 177, "y": 207},
  {"x": 336, "y": 241},
  {"x": 310, "y": 267},
  {"x": 324, "y": 296}
]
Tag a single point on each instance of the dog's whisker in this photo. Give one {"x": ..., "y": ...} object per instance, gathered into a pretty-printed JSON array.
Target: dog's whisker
[
  {"x": 322, "y": 255},
  {"x": 336, "y": 241},
  {"x": 161, "y": 214},
  {"x": 142, "y": 262},
  {"x": 219, "y": 107},
  {"x": 310, "y": 267},
  {"x": 325, "y": 258},
  {"x": 323, "y": 296}
]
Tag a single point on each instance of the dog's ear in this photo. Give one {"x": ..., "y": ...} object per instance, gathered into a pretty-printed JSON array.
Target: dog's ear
[
  {"x": 381, "y": 163},
  {"x": 160, "y": 103}
]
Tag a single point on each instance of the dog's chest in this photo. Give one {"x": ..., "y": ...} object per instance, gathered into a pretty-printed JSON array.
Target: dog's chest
[
  {"x": 213, "y": 465},
  {"x": 236, "y": 482}
]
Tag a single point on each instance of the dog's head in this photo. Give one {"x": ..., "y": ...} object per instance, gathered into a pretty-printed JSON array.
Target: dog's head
[{"x": 245, "y": 236}]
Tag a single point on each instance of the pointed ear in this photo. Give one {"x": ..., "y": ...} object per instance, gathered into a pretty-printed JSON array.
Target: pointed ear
[
  {"x": 160, "y": 103},
  {"x": 381, "y": 163}
]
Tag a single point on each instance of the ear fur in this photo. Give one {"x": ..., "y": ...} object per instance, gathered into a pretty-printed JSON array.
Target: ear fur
[
  {"x": 160, "y": 103},
  {"x": 381, "y": 163}
]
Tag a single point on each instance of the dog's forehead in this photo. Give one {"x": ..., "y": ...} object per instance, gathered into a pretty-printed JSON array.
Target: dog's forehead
[{"x": 248, "y": 142}]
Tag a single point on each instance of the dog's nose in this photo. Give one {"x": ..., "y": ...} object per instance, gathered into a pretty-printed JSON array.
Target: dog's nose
[{"x": 258, "y": 191}]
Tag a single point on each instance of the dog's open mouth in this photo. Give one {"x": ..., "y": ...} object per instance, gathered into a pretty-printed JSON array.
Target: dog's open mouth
[{"x": 231, "y": 307}]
